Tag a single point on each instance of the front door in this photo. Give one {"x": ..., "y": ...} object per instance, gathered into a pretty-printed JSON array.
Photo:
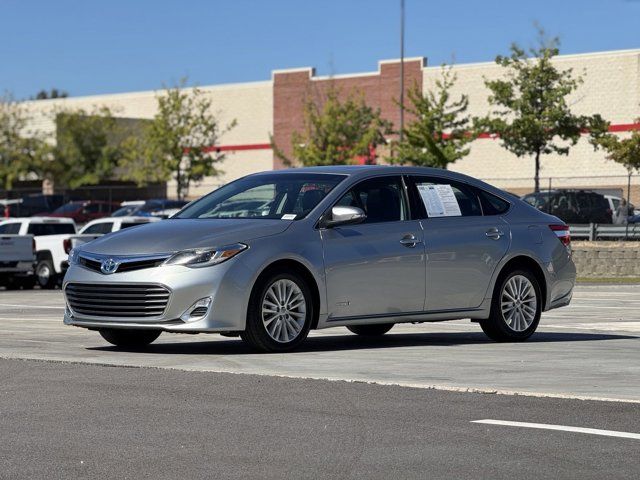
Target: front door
[{"x": 377, "y": 267}]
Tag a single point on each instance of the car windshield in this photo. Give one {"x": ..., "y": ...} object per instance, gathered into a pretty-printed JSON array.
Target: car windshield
[
  {"x": 125, "y": 211},
  {"x": 287, "y": 196}
]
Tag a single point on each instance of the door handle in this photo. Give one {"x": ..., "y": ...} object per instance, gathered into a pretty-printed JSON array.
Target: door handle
[
  {"x": 494, "y": 233},
  {"x": 410, "y": 241}
]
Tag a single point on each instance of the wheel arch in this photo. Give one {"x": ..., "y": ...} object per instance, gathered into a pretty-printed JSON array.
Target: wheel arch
[
  {"x": 302, "y": 270},
  {"x": 526, "y": 263}
]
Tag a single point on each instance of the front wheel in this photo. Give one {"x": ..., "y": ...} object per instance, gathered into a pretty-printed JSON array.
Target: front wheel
[
  {"x": 371, "y": 330},
  {"x": 129, "y": 338},
  {"x": 515, "y": 308},
  {"x": 279, "y": 314}
]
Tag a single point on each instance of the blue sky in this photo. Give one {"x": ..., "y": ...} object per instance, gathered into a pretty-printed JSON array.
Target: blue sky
[{"x": 90, "y": 47}]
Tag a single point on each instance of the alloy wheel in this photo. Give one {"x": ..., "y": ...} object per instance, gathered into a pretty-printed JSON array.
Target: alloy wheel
[
  {"x": 284, "y": 310},
  {"x": 518, "y": 303}
]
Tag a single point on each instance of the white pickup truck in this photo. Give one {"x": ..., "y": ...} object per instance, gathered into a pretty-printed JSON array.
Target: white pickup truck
[
  {"x": 102, "y": 226},
  {"x": 17, "y": 259},
  {"x": 49, "y": 235}
]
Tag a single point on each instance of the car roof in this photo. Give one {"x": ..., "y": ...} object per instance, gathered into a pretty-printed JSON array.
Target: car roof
[{"x": 363, "y": 171}]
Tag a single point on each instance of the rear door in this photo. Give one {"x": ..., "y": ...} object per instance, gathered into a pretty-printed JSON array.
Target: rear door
[
  {"x": 463, "y": 246},
  {"x": 376, "y": 267}
]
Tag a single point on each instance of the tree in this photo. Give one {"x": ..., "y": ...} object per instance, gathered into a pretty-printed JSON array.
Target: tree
[
  {"x": 625, "y": 151},
  {"x": 21, "y": 150},
  {"x": 177, "y": 142},
  {"x": 532, "y": 116},
  {"x": 441, "y": 132},
  {"x": 53, "y": 93},
  {"x": 336, "y": 132},
  {"x": 87, "y": 147}
]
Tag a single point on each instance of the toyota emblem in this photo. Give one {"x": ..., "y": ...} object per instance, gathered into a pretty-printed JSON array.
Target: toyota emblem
[{"x": 109, "y": 266}]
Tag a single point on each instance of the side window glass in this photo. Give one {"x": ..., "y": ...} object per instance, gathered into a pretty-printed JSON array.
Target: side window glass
[
  {"x": 492, "y": 205},
  {"x": 446, "y": 198},
  {"x": 10, "y": 228},
  {"x": 381, "y": 199},
  {"x": 99, "y": 228}
]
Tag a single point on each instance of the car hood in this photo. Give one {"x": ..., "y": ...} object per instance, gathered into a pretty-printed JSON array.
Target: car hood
[{"x": 173, "y": 235}]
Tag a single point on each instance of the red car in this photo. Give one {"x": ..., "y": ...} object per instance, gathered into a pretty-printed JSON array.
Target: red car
[{"x": 85, "y": 211}]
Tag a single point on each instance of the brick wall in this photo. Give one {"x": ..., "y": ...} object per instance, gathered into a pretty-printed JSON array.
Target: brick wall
[
  {"x": 607, "y": 259},
  {"x": 381, "y": 90}
]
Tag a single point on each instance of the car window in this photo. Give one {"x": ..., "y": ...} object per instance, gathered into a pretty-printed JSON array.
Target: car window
[
  {"x": 492, "y": 205},
  {"x": 381, "y": 199},
  {"x": 92, "y": 208},
  {"x": 441, "y": 197},
  {"x": 131, "y": 224},
  {"x": 68, "y": 208},
  {"x": 98, "y": 228},
  {"x": 42, "y": 229},
  {"x": 270, "y": 196},
  {"x": 10, "y": 228}
]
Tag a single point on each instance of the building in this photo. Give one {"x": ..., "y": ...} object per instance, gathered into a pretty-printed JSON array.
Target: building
[{"x": 273, "y": 109}]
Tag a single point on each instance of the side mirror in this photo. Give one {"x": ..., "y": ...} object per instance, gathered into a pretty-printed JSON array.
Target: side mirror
[{"x": 344, "y": 216}]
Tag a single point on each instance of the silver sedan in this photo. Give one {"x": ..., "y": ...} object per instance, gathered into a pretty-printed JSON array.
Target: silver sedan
[{"x": 276, "y": 254}]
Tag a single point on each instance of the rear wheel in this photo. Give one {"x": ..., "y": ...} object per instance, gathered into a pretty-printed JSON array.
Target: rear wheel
[
  {"x": 279, "y": 314},
  {"x": 129, "y": 338},
  {"x": 515, "y": 308},
  {"x": 371, "y": 330}
]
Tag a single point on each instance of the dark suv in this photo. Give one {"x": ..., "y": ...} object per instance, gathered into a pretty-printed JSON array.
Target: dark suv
[{"x": 572, "y": 206}]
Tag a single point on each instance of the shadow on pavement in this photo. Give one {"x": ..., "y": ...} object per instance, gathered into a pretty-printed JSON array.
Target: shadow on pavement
[{"x": 353, "y": 342}]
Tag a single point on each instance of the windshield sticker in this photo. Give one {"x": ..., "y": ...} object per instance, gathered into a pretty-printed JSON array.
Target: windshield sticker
[
  {"x": 289, "y": 216},
  {"x": 439, "y": 200}
]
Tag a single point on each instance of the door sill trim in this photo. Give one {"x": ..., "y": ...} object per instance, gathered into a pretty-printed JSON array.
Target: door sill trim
[{"x": 401, "y": 314}]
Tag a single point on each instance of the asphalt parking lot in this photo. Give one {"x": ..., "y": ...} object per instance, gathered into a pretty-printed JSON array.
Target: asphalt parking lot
[{"x": 66, "y": 414}]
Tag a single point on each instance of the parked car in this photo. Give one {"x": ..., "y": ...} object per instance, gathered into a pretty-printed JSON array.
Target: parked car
[
  {"x": 17, "y": 259},
  {"x": 150, "y": 208},
  {"x": 31, "y": 205},
  {"x": 362, "y": 247},
  {"x": 85, "y": 211},
  {"x": 614, "y": 203},
  {"x": 49, "y": 235},
  {"x": 572, "y": 206}
]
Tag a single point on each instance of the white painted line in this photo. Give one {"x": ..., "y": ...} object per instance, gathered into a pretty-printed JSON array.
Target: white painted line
[
  {"x": 61, "y": 307},
  {"x": 563, "y": 428}
]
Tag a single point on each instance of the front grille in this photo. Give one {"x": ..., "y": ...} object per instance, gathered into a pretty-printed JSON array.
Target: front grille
[
  {"x": 133, "y": 300},
  {"x": 124, "y": 265}
]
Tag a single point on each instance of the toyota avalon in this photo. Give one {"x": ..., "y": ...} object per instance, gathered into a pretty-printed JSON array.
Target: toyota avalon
[{"x": 273, "y": 255}]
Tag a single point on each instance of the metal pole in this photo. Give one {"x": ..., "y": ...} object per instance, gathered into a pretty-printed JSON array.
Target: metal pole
[
  {"x": 626, "y": 230},
  {"x": 401, "y": 69}
]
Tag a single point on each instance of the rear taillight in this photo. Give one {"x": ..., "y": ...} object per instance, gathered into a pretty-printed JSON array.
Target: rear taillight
[
  {"x": 562, "y": 232},
  {"x": 66, "y": 243}
]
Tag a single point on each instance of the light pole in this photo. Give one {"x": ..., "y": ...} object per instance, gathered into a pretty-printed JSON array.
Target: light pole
[{"x": 401, "y": 69}]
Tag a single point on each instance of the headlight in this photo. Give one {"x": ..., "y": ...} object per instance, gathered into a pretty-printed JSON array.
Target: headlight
[
  {"x": 204, "y": 257},
  {"x": 74, "y": 254}
]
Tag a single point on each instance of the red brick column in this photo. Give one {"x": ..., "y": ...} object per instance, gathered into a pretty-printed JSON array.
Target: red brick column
[{"x": 381, "y": 90}]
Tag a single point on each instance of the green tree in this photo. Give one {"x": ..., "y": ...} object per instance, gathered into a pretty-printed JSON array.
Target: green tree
[
  {"x": 177, "y": 142},
  {"x": 336, "y": 132},
  {"x": 87, "y": 147},
  {"x": 531, "y": 114},
  {"x": 21, "y": 150},
  {"x": 53, "y": 93},
  {"x": 625, "y": 151},
  {"x": 441, "y": 131}
]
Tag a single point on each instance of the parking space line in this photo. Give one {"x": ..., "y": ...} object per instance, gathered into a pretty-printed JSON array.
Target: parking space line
[{"x": 564, "y": 428}]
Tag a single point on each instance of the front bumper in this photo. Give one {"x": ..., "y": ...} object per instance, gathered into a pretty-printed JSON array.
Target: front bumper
[{"x": 224, "y": 283}]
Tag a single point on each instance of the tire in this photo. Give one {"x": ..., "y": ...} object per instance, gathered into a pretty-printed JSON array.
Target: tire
[
  {"x": 126, "y": 338},
  {"x": 279, "y": 322},
  {"x": 519, "y": 320},
  {"x": 376, "y": 330},
  {"x": 45, "y": 273},
  {"x": 26, "y": 283}
]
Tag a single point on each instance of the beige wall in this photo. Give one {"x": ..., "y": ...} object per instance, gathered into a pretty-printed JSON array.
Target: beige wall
[
  {"x": 611, "y": 87},
  {"x": 250, "y": 104}
]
